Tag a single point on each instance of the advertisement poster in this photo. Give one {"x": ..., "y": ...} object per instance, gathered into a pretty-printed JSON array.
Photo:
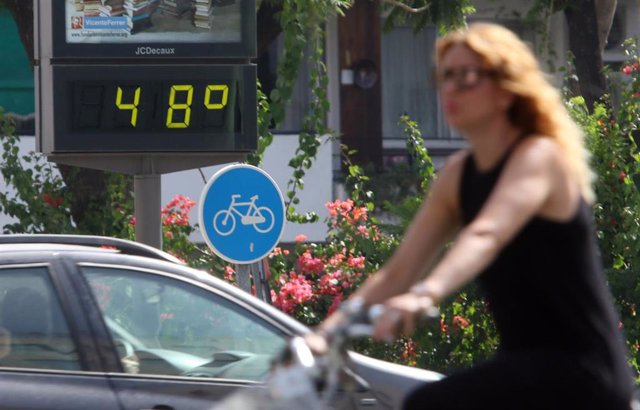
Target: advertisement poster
[{"x": 153, "y": 21}]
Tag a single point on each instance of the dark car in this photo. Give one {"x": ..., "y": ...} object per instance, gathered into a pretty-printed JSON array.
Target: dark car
[{"x": 100, "y": 323}]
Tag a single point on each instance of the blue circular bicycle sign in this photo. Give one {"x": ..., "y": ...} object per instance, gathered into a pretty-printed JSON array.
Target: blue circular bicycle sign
[{"x": 241, "y": 213}]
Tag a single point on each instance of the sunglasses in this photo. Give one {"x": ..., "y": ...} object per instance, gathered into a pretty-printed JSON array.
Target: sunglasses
[{"x": 463, "y": 78}]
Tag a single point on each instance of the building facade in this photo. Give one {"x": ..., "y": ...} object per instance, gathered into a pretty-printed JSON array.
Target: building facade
[{"x": 374, "y": 78}]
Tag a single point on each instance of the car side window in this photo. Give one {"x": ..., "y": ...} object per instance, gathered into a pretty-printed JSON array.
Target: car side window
[
  {"x": 33, "y": 329},
  {"x": 166, "y": 326}
]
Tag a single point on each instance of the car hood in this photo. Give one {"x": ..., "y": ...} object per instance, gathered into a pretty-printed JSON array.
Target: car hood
[{"x": 389, "y": 383}]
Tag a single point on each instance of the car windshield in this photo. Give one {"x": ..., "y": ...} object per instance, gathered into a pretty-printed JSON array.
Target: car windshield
[{"x": 168, "y": 326}]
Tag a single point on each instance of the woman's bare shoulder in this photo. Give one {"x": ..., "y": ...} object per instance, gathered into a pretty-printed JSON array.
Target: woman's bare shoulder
[
  {"x": 545, "y": 158},
  {"x": 450, "y": 175},
  {"x": 455, "y": 161},
  {"x": 538, "y": 147}
]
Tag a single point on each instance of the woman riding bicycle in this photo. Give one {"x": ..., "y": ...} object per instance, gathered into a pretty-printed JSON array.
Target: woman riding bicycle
[{"x": 517, "y": 204}]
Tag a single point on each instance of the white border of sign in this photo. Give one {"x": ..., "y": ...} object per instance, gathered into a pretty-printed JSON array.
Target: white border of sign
[{"x": 201, "y": 210}]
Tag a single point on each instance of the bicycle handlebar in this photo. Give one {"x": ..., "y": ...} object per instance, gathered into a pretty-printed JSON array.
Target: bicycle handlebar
[
  {"x": 360, "y": 319},
  {"x": 301, "y": 379}
]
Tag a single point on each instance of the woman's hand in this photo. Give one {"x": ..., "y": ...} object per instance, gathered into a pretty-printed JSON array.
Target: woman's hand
[
  {"x": 318, "y": 339},
  {"x": 401, "y": 314},
  {"x": 317, "y": 342}
]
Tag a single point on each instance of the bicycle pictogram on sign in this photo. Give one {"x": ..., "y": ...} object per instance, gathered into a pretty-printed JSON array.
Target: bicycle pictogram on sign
[{"x": 261, "y": 217}]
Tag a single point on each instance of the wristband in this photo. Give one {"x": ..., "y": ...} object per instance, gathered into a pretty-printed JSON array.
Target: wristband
[
  {"x": 352, "y": 306},
  {"x": 422, "y": 289},
  {"x": 427, "y": 302}
]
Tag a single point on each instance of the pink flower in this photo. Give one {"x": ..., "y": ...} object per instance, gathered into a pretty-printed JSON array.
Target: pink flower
[
  {"x": 300, "y": 238},
  {"x": 336, "y": 259},
  {"x": 54, "y": 202},
  {"x": 308, "y": 264},
  {"x": 409, "y": 352},
  {"x": 332, "y": 206},
  {"x": 622, "y": 176},
  {"x": 347, "y": 205},
  {"x": 363, "y": 231},
  {"x": 132, "y": 221},
  {"x": 443, "y": 327},
  {"x": 459, "y": 321},
  {"x": 294, "y": 292},
  {"x": 176, "y": 211},
  {"x": 278, "y": 251},
  {"x": 229, "y": 273},
  {"x": 359, "y": 214},
  {"x": 627, "y": 70},
  {"x": 376, "y": 232},
  {"x": 356, "y": 262},
  {"x": 329, "y": 284}
]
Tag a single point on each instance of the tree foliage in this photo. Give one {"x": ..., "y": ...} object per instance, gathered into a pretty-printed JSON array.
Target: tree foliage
[{"x": 302, "y": 25}]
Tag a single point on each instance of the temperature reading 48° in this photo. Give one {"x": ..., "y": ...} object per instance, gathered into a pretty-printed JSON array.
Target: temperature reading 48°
[
  {"x": 179, "y": 106},
  {"x": 156, "y": 106}
]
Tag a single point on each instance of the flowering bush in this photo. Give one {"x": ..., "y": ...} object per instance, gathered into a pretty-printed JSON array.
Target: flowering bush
[
  {"x": 39, "y": 203},
  {"x": 611, "y": 134},
  {"x": 176, "y": 227},
  {"x": 310, "y": 281}
]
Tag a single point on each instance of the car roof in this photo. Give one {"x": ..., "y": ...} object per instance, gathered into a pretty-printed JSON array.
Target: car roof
[
  {"x": 46, "y": 247},
  {"x": 100, "y": 249},
  {"x": 86, "y": 243}
]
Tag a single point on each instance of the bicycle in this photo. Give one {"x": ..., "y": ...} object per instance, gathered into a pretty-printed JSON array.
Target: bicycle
[
  {"x": 299, "y": 379},
  {"x": 261, "y": 217}
]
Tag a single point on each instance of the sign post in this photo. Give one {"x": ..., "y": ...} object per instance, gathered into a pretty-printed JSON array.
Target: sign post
[
  {"x": 242, "y": 217},
  {"x": 145, "y": 89}
]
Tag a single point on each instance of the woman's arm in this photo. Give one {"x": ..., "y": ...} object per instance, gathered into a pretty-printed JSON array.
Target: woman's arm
[
  {"x": 436, "y": 222},
  {"x": 528, "y": 185}
]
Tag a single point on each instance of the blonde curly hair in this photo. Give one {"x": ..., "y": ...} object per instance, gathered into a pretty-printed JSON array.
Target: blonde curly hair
[{"x": 538, "y": 108}]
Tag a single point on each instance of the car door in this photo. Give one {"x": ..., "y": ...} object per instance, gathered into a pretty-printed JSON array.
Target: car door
[
  {"x": 43, "y": 365},
  {"x": 181, "y": 345}
]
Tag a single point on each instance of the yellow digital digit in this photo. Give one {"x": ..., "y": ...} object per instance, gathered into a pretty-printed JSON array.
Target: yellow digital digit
[
  {"x": 133, "y": 107},
  {"x": 186, "y": 106},
  {"x": 223, "y": 99}
]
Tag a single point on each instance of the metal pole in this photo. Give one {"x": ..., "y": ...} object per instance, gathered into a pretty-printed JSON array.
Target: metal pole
[
  {"x": 243, "y": 276},
  {"x": 265, "y": 291},
  {"x": 246, "y": 272},
  {"x": 147, "y": 189}
]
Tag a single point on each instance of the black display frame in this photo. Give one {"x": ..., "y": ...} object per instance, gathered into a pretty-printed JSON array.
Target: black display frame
[
  {"x": 68, "y": 140},
  {"x": 246, "y": 48}
]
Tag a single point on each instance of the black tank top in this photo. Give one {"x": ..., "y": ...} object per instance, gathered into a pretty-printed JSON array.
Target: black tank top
[{"x": 546, "y": 288}]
